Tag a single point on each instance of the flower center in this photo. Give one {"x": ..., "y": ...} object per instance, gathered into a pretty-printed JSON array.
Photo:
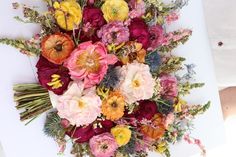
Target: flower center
[
  {"x": 136, "y": 83},
  {"x": 104, "y": 146},
  {"x": 88, "y": 61},
  {"x": 114, "y": 105},
  {"x": 58, "y": 47},
  {"x": 81, "y": 104},
  {"x": 55, "y": 81}
]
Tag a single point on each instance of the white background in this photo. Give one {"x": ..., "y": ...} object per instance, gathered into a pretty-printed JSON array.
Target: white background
[{"x": 29, "y": 141}]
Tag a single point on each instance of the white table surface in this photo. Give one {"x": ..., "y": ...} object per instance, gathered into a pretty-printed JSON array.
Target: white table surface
[{"x": 29, "y": 141}]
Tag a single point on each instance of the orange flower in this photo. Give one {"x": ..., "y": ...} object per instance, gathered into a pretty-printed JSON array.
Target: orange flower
[
  {"x": 157, "y": 128},
  {"x": 57, "y": 47},
  {"x": 113, "y": 106}
]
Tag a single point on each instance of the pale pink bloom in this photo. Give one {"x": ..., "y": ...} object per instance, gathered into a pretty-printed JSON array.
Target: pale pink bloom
[
  {"x": 169, "y": 86},
  {"x": 103, "y": 145},
  {"x": 169, "y": 119},
  {"x": 89, "y": 62},
  {"x": 80, "y": 107},
  {"x": 136, "y": 82},
  {"x": 174, "y": 16},
  {"x": 157, "y": 37}
]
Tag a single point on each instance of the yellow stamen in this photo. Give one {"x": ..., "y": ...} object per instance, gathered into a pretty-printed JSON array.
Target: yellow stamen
[
  {"x": 55, "y": 82},
  {"x": 81, "y": 104},
  {"x": 136, "y": 83}
]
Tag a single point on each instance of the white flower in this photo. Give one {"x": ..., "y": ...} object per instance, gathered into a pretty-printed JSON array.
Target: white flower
[
  {"x": 79, "y": 106},
  {"x": 136, "y": 82}
]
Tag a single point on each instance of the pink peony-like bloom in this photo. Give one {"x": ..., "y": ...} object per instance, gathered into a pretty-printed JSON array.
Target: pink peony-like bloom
[
  {"x": 114, "y": 33},
  {"x": 89, "y": 62},
  {"x": 157, "y": 36},
  {"x": 80, "y": 107},
  {"x": 103, "y": 145},
  {"x": 169, "y": 86},
  {"x": 136, "y": 82}
]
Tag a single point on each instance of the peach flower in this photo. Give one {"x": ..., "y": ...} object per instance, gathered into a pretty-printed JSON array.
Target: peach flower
[
  {"x": 89, "y": 62},
  {"x": 80, "y": 107}
]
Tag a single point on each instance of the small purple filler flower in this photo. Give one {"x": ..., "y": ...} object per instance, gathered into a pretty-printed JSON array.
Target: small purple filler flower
[
  {"x": 103, "y": 145},
  {"x": 114, "y": 33}
]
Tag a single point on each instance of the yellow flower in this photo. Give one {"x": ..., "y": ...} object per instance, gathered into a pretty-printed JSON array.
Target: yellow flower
[
  {"x": 161, "y": 147},
  {"x": 68, "y": 14},
  {"x": 122, "y": 134},
  {"x": 115, "y": 10},
  {"x": 179, "y": 105}
]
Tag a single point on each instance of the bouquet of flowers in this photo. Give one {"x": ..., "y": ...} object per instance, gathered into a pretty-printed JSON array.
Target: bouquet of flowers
[{"x": 107, "y": 78}]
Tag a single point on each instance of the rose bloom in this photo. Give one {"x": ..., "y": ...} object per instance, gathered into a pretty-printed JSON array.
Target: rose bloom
[
  {"x": 169, "y": 86},
  {"x": 80, "y": 107},
  {"x": 89, "y": 62},
  {"x": 147, "y": 109},
  {"x": 136, "y": 82},
  {"x": 103, "y": 145},
  {"x": 114, "y": 33},
  {"x": 156, "y": 36},
  {"x": 139, "y": 32}
]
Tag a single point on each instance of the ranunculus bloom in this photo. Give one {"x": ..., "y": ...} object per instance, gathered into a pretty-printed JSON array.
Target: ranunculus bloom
[
  {"x": 46, "y": 71},
  {"x": 94, "y": 16},
  {"x": 68, "y": 14},
  {"x": 169, "y": 86},
  {"x": 122, "y": 134},
  {"x": 136, "y": 82},
  {"x": 103, "y": 145},
  {"x": 156, "y": 36},
  {"x": 82, "y": 134},
  {"x": 115, "y": 10},
  {"x": 114, "y": 33},
  {"x": 80, "y": 107},
  {"x": 138, "y": 8},
  {"x": 139, "y": 32},
  {"x": 147, "y": 109},
  {"x": 89, "y": 62}
]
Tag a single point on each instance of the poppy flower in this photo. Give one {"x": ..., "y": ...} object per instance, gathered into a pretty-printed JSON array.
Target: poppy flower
[
  {"x": 57, "y": 47},
  {"x": 54, "y": 77}
]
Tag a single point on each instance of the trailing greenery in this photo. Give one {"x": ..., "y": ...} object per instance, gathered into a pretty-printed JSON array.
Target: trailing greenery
[
  {"x": 32, "y": 100},
  {"x": 172, "y": 64},
  {"x": 185, "y": 88}
]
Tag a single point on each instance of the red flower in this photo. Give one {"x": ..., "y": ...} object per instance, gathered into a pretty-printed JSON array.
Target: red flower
[
  {"x": 147, "y": 109},
  {"x": 82, "y": 134},
  {"x": 139, "y": 32},
  {"x": 48, "y": 70},
  {"x": 94, "y": 16}
]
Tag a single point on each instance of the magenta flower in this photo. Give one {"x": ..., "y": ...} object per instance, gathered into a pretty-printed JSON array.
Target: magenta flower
[
  {"x": 103, "y": 145},
  {"x": 169, "y": 86},
  {"x": 54, "y": 77},
  {"x": 89, "y": 62},
  {"x": 157, "y": 36},
  {"x": 114, "y": 33}
]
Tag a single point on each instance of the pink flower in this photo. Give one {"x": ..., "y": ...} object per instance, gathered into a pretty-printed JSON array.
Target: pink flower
[
  {"x": 80, "y": 107},
  {"x": 114, "y": 33},
  {"x": 172, "y": 17},
  {"x": 169, "y": 119},
  {"x": 103, "y": 145},
  {"x": 169, "y": 86},
  {"x": 138, "y": 8},
  {"x": 157, "y": 36},
  {"x": 89, "y": 62}
]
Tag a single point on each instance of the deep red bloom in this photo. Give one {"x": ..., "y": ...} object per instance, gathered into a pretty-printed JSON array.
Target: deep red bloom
[
  {"x": 82, "y": 134},
  {"x": 45, "y": 71},
  {"x": 106, "y": 127},
  {"x": 139, "y": 32},
  {"x": 147, "y": 109},
  {"x": 94, "y": 16}
]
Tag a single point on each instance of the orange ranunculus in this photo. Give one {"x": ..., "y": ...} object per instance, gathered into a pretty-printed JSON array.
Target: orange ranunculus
[
  {"x": 113, "y": 106},
  {"x": 57, "y": 47},
  {"x": 156, "y": 130}
]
